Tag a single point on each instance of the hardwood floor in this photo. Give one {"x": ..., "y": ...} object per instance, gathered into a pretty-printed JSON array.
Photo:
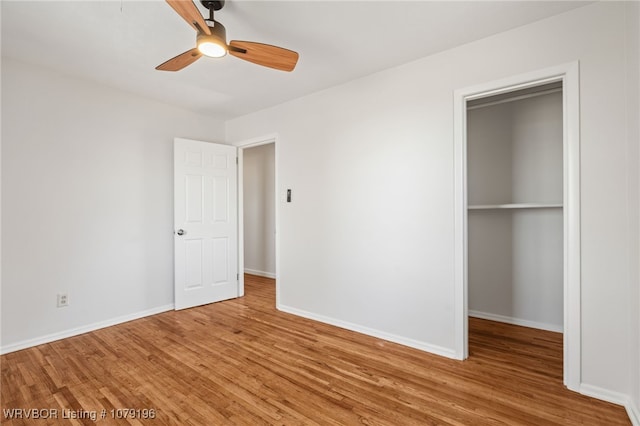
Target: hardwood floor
[{"x": 242, "y": 362}]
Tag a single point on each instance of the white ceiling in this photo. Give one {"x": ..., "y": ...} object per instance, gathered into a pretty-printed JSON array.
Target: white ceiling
[{"x": 119, "y": 43}]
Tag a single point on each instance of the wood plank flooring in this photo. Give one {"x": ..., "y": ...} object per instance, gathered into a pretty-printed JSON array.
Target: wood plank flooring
[{"x": 242, "y": 362}]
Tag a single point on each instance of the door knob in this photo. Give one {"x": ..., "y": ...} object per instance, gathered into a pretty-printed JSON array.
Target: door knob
[{"x": 181, "y": 232}]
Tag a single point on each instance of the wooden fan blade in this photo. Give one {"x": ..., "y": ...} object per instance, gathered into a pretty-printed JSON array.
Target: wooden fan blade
[
  {"x": 190, "y": 13},
  {"x": 180, "y": 61},
  {"x": 264, "y": 54}
]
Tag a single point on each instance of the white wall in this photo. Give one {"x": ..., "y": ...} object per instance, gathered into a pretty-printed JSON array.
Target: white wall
[
  {"x": 368, "y": 242},
  {"x": 490, "y": 155},
  {"x": 489, "y": 177},
  {"x": 515, "y": 257},
  {"x": 87, "y": 197},
  {"x": 537, "y": 149},
  {"x": 632, "y": 15},
  {"x": 259, "y": 210}
]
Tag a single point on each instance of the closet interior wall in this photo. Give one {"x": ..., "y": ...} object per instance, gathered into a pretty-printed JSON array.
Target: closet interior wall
[{"x": 515, "y": 220}]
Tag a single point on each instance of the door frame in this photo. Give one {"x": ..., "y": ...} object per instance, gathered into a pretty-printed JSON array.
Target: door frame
[
  {"x": 569, "y": 74},
  {"x": 241, "y": 146}
]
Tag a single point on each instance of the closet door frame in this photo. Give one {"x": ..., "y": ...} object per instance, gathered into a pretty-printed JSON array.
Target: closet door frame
[{"x": 569, "y": 74}]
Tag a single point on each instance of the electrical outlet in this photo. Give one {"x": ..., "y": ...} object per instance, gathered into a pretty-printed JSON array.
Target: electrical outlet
[{"x": 63, "y": 300}]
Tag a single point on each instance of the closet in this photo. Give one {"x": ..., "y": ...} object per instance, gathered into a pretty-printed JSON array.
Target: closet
[{"x": 514, "y": 202}]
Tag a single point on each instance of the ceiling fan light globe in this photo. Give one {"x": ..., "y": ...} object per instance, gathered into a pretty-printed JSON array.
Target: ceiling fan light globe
[
  {"x": 213, "y": 45},
  {"x": 211, "y": 49}
]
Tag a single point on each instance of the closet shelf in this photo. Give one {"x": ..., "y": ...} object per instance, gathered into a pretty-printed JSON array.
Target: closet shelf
[{"x": 514, "y": 206}]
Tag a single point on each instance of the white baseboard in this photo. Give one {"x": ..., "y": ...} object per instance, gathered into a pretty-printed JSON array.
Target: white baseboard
[
  {"x": 516, "y": 321},
  {"x": 81, "y": 330},
  {"x": 614, "y": 398},
  {"x": 633, "y": 412},
  {"x": 434, "y": 349},
  {"x": 604, "y": 394},
  {"x": 260, "y": 273}
]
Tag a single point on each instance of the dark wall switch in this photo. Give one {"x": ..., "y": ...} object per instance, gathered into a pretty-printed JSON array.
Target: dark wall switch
[{"x": 288, "y": 195}]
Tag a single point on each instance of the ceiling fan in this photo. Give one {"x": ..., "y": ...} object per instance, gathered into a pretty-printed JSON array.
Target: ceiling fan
[{"x": 211, "y": 41}]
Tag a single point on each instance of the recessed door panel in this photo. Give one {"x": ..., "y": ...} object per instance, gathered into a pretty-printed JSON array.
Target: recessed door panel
[
  {"x": 193, "y": 158},
  {"x": 220, "y": 199},
  {"x": 220, "y": 260},
  {"x": 194, "y": 198},
  {"x": 193, "y": 265}
]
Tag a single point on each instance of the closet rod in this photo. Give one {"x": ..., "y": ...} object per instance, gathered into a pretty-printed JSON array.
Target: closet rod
[{"x": 516, "y": 98}]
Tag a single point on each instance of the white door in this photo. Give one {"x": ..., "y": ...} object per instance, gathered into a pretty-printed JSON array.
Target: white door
[{"x": 206, "y": 223}]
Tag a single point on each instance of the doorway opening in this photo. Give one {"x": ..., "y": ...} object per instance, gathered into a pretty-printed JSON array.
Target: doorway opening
[
  {"x": 517, "y": 207},
  {"x": 514, "y": 209},
  {"x": 258, "y": 207}
]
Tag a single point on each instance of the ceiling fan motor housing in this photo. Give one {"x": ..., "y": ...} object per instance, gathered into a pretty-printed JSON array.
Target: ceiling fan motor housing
[
  {"x": 213, "y": 4},
  {"x": 218, "y": 34}
]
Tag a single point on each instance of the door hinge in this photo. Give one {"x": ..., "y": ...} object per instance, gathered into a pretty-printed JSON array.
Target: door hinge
[{"x": 236, "y": 161}]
